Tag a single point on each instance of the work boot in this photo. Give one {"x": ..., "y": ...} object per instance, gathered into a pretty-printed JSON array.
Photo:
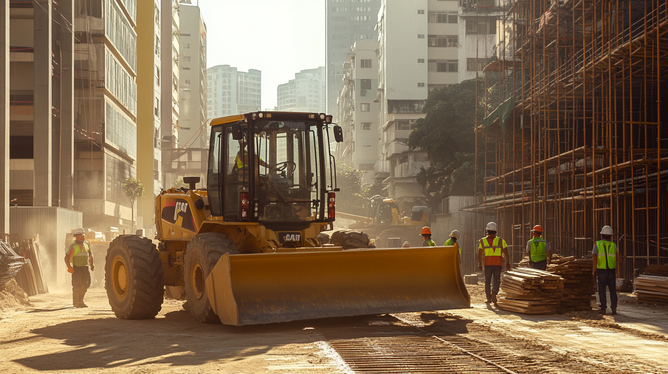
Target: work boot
[
  {"x": 614, "y": 311},
  {"x": 494, "y": 300},
  {"x": 602, "y": 311}
]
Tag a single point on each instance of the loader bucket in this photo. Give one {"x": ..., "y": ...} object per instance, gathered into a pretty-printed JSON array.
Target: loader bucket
[{"x": 247, "y": 289}]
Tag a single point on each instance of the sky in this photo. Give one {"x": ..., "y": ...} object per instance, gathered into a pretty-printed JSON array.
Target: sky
[{"x": 277, "y": 37}]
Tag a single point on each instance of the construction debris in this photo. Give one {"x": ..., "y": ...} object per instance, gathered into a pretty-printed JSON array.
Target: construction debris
[
  {"x": 30, "y": 277},
  {"x": 652, "y": 285},
  {"x": 579, "y": 289},
  {"x": 10, "y": 263},
  {"x": 530, "y": 291}
]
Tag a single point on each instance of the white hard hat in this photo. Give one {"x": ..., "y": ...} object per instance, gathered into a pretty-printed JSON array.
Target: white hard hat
[
  {"x": 455, "y": 234},
  {"x": 491, "y": 226},
  {"x": 606, "y": 230},
  {"x": 79, "y": 231},
  {"x": 406, "y": 244}
]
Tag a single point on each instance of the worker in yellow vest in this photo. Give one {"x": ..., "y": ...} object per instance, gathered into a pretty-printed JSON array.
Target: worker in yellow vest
[
  {"x": 78, "y": 258},
  {"x": 426, "y": 236},
  {"x": 538, "y": 249},
  {"x": 454, "y": 236},
  {"x": 491, "y": 249},
  {"x": 604, "y": 269}
]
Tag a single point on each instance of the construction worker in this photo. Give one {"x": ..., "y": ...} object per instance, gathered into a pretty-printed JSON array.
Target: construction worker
[
  {"x": 538, "y": 249},
  {"x": 426, "y": 236},
  {"x": 454, "y": 236},
  {"x": 604, "y": 265},
  {"x": 492, "y": 249},
  {"x": 77, "y": 259}
]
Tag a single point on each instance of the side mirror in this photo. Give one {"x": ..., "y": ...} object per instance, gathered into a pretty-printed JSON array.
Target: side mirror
[
  {"x": 338, "y": 133},
  {"x": 237, "y": 134}
]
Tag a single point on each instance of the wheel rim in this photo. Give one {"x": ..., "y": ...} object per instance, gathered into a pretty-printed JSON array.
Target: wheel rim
[
  {"x": 197, "y": 280},
  {"x": 119, "y": 277}
]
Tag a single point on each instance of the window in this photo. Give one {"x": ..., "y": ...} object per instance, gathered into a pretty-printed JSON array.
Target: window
[
  {"x": 443, "y": 66},
  {"x": 473, "y": 65},
  {"x": 365, "y": 84},
  {"x": 366, "y": 125},
  {"x": 365, "y": 107},
  {"x": 366, "y": 63},
  {"x": 481, "y": 28},
  {"x": 443, "y": 41},
  {"x": 420, "y": 60},
  {"x": 420, "y": 11},
  {"x": 421, "y": 84},
  {"x": 420, "y": 36},
  {"x": 443, "y": 17},
  {"x": 405, "y": 124}
]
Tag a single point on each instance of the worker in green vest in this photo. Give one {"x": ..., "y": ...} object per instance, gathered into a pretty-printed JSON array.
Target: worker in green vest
[
  {"x": 604, "y": 265},
  {"x": 538, "y": 250},
  {"x": 78, "y": 258},
  {"x": 454, "y": 236},
  {"x": 492, "y": 249},
  {"x": 426, "y": 236}
]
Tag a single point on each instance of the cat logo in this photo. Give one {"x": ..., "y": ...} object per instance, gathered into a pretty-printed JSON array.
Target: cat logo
[{"x": 290, "y": 237}]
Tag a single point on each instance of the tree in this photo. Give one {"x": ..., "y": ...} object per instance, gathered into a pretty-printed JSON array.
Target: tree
[
  {"x": 133, "y": 189},
  {"x": 447, "y": 135},
  {"x": 351, "y": 198}
]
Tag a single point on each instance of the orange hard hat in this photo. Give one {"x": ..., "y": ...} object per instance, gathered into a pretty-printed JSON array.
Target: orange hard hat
[
  {"x": 425, "y": 231},
  {"x": 538, "y": 228}
]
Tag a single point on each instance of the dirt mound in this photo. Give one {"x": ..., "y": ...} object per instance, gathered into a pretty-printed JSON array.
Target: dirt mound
[{"x": 11, "y": 296}]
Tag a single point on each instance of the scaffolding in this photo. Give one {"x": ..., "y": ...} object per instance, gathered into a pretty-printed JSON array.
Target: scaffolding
[{"x": 572, "y": 139}]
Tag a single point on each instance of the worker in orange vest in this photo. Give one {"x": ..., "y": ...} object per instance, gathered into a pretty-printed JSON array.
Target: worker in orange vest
[
  {"x": 78, "y": 258},
  {"x": 492, "y": 249}
]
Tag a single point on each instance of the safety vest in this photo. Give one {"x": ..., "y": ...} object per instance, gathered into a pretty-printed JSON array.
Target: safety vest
[
  {"x": 452, "y": 242},
  {"x": 429, "y": 242},
  {"x": 240, "y": 163},
  {"x": 493, "y": 252},
  {"x": 79, "y": 256},
  {"x": 538, "y": 249},
  {"x": 607, "y": 255}
]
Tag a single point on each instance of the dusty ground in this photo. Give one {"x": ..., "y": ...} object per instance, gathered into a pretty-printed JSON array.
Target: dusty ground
[{"x": 50, "y": 335}]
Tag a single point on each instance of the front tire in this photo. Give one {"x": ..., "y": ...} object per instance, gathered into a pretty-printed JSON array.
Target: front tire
[
  {"x": 202, "y": 255},
  {"x": 350, "y": 239},
  {"x": 134, "y": 278}
]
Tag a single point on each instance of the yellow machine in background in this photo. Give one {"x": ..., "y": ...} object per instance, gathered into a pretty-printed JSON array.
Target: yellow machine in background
[
  {"x": 245, "y": 249},
  {"x": 385, "y": 223}
]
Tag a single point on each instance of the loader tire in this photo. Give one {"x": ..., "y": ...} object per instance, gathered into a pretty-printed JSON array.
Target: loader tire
[
  {"x": 350, "y": 239},
  {"x": 202, "y": 255},
  {"x": 134, "y": 277}
]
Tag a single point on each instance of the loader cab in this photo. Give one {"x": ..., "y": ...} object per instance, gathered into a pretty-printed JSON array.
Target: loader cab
[{"x": 273, "y": 168}]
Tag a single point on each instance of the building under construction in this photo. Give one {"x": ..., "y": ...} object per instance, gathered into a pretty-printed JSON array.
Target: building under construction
[{"x": 575, "y": 129}]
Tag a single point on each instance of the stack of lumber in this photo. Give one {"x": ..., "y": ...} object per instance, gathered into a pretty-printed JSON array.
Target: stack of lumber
[
  {"x": 652, "y": 285},
  {"x": 530, "y": 291},
  {"x": 579, "y": 288},
  {"x": 30, "y": 278},
  {"x": 10, "y": 263}
]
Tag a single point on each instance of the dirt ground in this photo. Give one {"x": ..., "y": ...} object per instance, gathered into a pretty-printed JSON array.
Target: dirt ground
[{"x": 50, "y": 335}]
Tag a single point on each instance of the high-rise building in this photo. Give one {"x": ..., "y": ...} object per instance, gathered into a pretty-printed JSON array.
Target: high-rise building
[
  {"x": 358, "y": 109},
  {"x": 169, "y": 78},
  {"x": 305, "y": 93},
  {"x": 149, "y": 81},
  {"x": 347, "y": 21},
  {"x": 230, "y": 91},
  {"x": 105, "y": 110},
  {"x": 193, "y": 129}
]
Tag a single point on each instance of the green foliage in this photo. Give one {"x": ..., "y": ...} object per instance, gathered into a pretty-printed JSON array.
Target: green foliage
[
  {"x": 179, "y": 183},
  {"x": 447, "y": 135},
  {"x": 351, "y": 197},
  {"x": 133, "y": 189}
]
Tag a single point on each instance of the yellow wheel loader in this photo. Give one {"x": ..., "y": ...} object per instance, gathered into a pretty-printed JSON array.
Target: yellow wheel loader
[{"x": 245, "y": 248}]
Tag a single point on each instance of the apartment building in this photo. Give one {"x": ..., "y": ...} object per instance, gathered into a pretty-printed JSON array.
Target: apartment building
[
  {"x": 193, "y": 124},
  {"x": 358, "y": 109},
  {"x": 105, "y": 110},
  {"x": 169, "y": 77},
  {"x": 305, "y": 93},
  {"x": 149, "y": 81},
  {"x": 347, "y": 21},
  {"x": 230, "y": 91}
]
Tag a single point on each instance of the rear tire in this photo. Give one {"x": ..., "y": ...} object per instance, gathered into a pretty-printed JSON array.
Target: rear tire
[
  {"x": 134, "y": 278},
  {"x": 202, "y": 255},
  {"x": 350, "y": 239}
]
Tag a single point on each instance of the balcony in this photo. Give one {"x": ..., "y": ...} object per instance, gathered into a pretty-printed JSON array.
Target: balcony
[{"x": 381, "y": 167}]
